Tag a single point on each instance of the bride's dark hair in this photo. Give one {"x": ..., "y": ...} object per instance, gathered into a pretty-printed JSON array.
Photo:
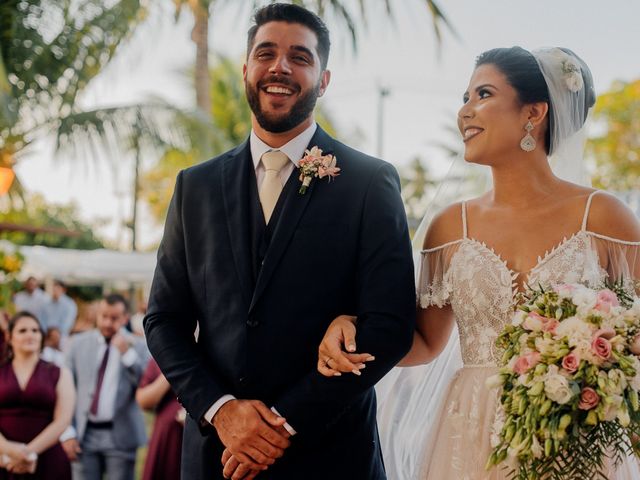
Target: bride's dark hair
[{"x": 523, "y": 73}]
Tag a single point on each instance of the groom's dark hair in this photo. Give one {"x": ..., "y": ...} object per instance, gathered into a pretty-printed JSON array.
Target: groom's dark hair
[{"x": 286, "y": 12}]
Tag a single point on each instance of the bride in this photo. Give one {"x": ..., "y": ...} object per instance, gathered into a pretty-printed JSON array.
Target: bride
[{"x": 531, "y": 228}]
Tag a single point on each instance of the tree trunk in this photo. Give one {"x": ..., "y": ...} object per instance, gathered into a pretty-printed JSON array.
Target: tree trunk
[{"x": 200, "y": 36}]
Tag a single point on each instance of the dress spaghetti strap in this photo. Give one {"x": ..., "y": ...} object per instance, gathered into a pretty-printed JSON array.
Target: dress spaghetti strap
[
  {"x": 586, "y": 210},
  {"x": 464, "y": 219}
]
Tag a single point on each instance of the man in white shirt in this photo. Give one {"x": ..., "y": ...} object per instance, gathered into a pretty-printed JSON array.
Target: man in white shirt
[{"x": 106, "y": 364}]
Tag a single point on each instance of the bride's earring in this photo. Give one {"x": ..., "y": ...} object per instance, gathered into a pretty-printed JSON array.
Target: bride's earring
[{"x": 528, "y": 143}]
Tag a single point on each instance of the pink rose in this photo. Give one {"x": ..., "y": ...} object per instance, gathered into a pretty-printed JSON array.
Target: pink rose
[
  {"x": 607, "y": 333},
  {"x": 551, "y": 325},
  {"x": 601, "y": 347},
  {"x": 571, "y": 362},
  {"x": 634, "y": 346},
  {"x": 526, "y": 362},
  {"x": 534, "y": 322},
  {"x": 588, "y": 399},
  {"x": 605, "y": 300},
  {"x": 565, "y": 289}
]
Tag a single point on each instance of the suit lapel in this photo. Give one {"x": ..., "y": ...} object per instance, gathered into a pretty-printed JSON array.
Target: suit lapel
[
  {"x": 235, "y": 192},
  {"x": 290, "y": 217}
]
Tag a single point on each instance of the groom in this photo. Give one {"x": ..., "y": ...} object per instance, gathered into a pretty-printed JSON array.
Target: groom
[{"x": 262, "y": 269}]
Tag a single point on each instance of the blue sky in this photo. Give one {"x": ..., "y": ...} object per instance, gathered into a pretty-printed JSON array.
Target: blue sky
[{"x": 425, "y": 88}]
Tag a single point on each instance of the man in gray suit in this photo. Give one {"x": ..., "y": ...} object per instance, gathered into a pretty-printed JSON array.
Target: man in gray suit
[{"x": 106, "y": 364}]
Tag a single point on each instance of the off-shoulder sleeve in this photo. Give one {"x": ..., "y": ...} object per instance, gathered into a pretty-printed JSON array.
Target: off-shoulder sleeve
[
  {"x": 434, "y": 277},
  {"x": 620, "y": 260}
]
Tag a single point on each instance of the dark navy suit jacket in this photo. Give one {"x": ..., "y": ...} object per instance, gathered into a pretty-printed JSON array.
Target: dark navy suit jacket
[{"x": 343, "y": 247}]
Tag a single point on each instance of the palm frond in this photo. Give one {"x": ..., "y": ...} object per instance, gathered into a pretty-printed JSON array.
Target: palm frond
[
  {"x": 438, "y": 17},
  {"x": 118, "y": 130},
  {"x": 54, "y": 49}
]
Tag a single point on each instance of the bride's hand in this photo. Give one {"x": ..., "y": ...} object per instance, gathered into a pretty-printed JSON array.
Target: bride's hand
[{"x": 332, "y": 359}]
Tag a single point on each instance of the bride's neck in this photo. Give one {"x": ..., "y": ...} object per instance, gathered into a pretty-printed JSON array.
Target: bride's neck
[{"x": 523, "y": 181}]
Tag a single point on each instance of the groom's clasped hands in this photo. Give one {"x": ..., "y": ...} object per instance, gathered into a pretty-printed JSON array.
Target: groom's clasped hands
[{"x": 253, "y": 436}]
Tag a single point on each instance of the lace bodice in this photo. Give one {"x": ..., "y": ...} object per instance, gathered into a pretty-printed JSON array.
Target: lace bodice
[{"x": 482, "y": 289}]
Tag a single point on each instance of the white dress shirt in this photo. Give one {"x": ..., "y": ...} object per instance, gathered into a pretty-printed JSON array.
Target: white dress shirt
[
  {"x": 294, "y": 149},
  {"x": 109, "y": 388}
]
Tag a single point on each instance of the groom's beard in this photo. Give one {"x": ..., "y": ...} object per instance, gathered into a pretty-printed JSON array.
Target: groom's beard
[{"x": 283, "y": 122}]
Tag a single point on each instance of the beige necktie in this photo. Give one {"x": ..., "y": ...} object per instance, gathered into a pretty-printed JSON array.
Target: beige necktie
[{"x": 271, "y": 187}]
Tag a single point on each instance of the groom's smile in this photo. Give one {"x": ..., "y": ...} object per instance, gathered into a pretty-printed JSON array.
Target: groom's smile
[{"x": 283, "y": 78}]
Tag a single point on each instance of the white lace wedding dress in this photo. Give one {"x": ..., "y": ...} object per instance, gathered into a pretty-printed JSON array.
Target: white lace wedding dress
[{"x": 482, "y": 290}]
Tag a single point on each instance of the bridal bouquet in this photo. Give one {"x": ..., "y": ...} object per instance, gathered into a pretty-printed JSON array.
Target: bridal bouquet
[{"x": 568, "y": 384}]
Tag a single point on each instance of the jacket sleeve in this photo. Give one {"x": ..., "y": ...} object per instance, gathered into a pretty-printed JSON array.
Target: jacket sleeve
[
  {"x": 385, "y": 309},
  {"x": 171, "y": 320}
]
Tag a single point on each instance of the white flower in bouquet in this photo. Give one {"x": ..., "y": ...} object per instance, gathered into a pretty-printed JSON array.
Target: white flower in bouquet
[
  {"x": 583, "y": 348},
  {"x": 617, "y": 381},
  {"x": 634, "y": 381},
  {"x": 494, "y": 381},
  {"x": 534, "y": 322},
  {"x": 584, "y": 299},
  {"x": 575, "y": 330},
  {"x": 536, "y": 449},
  {"x": 612, "y": 407},
  {"x": 518, "y": 318},
  {"x": 556, "y": 387},
  {"x": 565, "y": 291}
]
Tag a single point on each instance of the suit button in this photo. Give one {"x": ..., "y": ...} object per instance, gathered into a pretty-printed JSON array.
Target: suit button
[
  {"x": 253, "y": 323},
  {"x": 242, "y": 380}
]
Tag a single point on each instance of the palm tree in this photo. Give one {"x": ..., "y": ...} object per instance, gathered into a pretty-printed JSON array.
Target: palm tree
[
  {"x": 202, "y": 11},
  {"x": 49, "y": 52}
]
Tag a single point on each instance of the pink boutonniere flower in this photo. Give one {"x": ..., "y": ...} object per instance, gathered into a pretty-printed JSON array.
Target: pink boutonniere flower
[{"x": 314, "y": 164}]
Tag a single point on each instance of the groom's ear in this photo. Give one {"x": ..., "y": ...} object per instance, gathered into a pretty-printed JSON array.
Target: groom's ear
[
  {"x": 325, "y": 78},
  {"x": 244, "y": 72}
]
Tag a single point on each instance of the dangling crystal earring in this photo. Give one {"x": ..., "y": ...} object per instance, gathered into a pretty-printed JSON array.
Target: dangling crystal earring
[{"x": 528, "y": 143}]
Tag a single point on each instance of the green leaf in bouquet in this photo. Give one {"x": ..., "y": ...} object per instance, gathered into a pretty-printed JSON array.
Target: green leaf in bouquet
[{"x": 621, "y": 290}]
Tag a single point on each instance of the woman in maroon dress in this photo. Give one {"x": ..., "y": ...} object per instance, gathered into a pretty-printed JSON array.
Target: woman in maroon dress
[
  {"x": 165, "y": 445},
  {"x": 36, "y": 404}
]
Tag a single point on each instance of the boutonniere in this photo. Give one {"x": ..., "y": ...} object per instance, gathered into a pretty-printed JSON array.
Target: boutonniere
[{"x": 314, "y": 164}]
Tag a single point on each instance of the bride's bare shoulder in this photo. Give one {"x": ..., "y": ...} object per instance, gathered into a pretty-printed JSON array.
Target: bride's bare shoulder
[
  {"x": 611, "y": 217},
  {"x": 445, "y": 227}
]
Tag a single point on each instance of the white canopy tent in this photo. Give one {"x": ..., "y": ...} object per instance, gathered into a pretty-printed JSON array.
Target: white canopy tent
[{"x": 87, "y": 267}]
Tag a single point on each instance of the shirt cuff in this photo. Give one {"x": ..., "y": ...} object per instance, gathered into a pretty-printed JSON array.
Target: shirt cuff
[
  {"x": 287, "y": 427},
  {"x": 129, "y": 358},
  {"x": 209, "y": 414},
  {"x": 69, "y": 433}
]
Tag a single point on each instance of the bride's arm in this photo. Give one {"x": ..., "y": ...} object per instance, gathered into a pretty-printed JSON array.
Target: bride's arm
[
  {"x": 434, "y": 324},
  {"x": 433, "y": 327}
]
